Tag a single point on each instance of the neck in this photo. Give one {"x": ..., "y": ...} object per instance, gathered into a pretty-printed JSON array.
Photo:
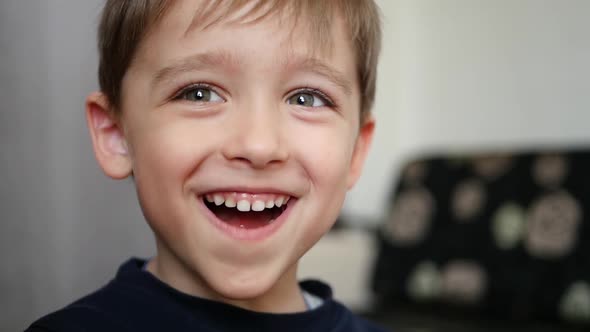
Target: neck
[{"x": 283, "y": 297}]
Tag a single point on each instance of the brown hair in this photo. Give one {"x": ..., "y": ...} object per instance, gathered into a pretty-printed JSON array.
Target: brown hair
[{"x": 124, "y": 23}]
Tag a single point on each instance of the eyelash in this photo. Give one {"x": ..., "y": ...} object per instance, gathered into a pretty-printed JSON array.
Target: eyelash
[
  {"x": 313, "y": 91},
  {"x": 195, "y": 86}
]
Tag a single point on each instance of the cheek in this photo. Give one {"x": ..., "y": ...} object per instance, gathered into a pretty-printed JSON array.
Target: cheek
[
  {"x": 172, "y": 148},
  {"x": 160, "y": 152},
  {"x": 164, "y": 157},
  {"x": 324, "y": 155}
]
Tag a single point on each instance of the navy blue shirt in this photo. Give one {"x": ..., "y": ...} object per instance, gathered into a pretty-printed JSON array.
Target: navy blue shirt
[{"x": 137, "y": 301}]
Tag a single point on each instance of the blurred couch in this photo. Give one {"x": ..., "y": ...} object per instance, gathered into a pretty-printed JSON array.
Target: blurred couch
[{"x": 498, "y": 239}]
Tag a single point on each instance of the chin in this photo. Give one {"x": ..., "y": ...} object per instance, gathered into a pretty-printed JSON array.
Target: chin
[{"x": 243, "y": 286}]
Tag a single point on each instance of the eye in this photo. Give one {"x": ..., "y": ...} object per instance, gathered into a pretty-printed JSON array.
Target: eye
[
  {"x": 310, "y": 98},
  {"x": 200, "y": 94}
]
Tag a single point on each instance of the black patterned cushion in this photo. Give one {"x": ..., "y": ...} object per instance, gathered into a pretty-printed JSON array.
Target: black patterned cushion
[{"x": 502, "y": 235}]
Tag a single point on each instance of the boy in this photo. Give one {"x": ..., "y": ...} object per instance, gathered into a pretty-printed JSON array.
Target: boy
[{"x": 243, "y": 124}]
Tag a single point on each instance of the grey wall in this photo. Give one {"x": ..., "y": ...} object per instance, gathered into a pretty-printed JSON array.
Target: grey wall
[{"x": 64, "y": 227}]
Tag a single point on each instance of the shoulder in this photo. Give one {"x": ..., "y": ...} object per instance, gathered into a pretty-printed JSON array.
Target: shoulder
[
  {"x": 351, "y": 322},
  {"x": 107, "y": 309},
  {"x": 97, "y": 311},
  {"x": 76, "y": 318},
  {"x": 342, "y": 319},
  {"x": 366, "y": 326}
]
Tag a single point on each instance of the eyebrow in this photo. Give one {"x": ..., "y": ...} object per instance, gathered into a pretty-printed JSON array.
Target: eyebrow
[
  {"x": 194, "y": 62},
  {"x": 319, "y": 67},
  {"x": 225, "y": 58}
]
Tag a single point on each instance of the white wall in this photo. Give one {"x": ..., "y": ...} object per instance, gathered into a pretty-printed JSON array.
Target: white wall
[{"x": 466, "y": 74}]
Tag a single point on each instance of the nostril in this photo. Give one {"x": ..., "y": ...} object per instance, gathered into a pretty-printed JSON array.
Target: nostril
[{"x": 258, "y": 153}]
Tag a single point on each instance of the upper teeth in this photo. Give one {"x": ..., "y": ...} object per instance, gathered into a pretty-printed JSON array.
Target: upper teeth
[{"x": 244, "y": 203}]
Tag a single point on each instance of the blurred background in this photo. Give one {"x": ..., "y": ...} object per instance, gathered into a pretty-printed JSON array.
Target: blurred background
[{"x": 455, "y": 75}]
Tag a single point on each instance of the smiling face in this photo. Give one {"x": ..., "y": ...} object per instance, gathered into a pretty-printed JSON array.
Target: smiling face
[{"x": 243, "y": 140}]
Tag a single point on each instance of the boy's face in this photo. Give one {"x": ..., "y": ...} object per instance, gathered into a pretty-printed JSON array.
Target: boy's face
[{"x": 245, "y": 114}]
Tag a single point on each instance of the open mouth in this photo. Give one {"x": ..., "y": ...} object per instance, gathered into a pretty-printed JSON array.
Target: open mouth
[{"x": 246, "y": 211}]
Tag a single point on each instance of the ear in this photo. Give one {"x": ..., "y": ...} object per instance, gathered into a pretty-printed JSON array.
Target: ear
[
  {"x": 108, "y": 141},
  {"x": 361, "y": 149}
]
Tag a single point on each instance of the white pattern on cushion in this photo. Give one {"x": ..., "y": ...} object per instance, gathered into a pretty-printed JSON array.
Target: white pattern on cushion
[
  {"x": 551, "y": 227},
  {"x": 410, "y": 216},
  {"x": 463, "y": 282},
  {"x": 575, "y": 303},
  {"x": 415, "y": 172},
  {"x": 549, "y": 170},
  {"x": 468, "y": 199},
  {"x": 424, "y": 282},
  {"x": 493, "y": 166},
  {"x": 508, "y": 224}
]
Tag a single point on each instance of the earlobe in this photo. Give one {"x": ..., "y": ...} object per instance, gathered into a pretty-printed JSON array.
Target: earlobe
[
  {"x": 361, "y": 149},
  {"x": 108, "y": 140}
]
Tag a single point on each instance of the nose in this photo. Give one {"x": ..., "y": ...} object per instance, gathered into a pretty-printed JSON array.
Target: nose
[{"x": 256, "y": 139}]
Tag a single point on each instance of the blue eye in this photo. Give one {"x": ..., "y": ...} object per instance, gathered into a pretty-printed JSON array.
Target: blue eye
[
  {"x": 200, "y": 94},
  {"x": 309, "y": 99}
]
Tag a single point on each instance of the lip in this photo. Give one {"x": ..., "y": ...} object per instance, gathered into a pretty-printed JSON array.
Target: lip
[
  {"x": 245, "y": 190},
  {"x": 254, "y": 234}
]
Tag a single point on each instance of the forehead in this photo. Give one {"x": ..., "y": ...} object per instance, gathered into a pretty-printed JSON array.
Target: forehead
[
  {"x": 311, "y": 16},
  {"x": 298, "y": 28}
]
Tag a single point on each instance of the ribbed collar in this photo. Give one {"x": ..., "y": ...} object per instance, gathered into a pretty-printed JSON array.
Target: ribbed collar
[{"x": 224, "y": 317}]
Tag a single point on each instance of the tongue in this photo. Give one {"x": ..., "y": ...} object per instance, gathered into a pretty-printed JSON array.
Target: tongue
[{"x": 247, "y": 220}]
